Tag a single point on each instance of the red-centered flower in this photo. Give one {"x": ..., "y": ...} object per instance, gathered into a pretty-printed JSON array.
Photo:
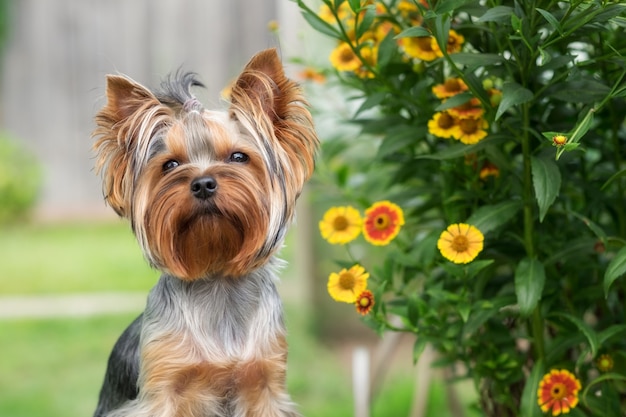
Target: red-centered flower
[
  {"x": 364, "y": 302},
  {"x": 558, "y": 392},
  {"x": 382, "y": 223}
]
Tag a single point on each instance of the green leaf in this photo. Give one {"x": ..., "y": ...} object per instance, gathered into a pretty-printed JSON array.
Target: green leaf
[
  {"x": 615, "y": 176},
  {"x": 475, "y": 60},
  {"x": 585, "y": 91},
  {"x": 604, "y": 377},
  {"x": 499, "y": 14},
  {"x": 418, "y": 348},
  {"x": 459, "y": 150},
  {"x": 615, "y": 269},
  {"x": 366, "y": 23},
  {"x": 528, "y": 404},
  {"x": 442, "y": 31},
  {"x": 584, "y": 328},
  {"x": 318, "y": 23},
  {"x": 546, "y": 181},
  {"x": 513, "y": 94},
  {"x": 490, "y": 217},
  {"x": 530, "y": 278},
  {"x": 610, "y": 332},
  {"x": 386, "y": 50},
  {"x": 551, "y": 19},
  {"x": 355, "y": 5},
  {"x": 454, "y": 101},
  {"x": 414, "y": 32}
]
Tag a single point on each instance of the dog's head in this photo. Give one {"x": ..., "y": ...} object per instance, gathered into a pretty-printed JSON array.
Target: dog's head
[{"x": 207, "y": 192}]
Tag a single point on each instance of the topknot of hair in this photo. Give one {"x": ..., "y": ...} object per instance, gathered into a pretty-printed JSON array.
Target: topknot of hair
[{"x": 176, "y": 91}]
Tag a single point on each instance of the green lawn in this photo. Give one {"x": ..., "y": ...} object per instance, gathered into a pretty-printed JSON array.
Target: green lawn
[{"x": 54, "y": 367}]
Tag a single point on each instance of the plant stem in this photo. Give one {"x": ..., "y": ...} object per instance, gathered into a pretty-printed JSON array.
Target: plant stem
[{"x": 536, "y": 325}]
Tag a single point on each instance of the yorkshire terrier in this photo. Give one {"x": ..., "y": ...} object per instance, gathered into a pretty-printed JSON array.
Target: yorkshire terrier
[{"x": 210, "y": 196}]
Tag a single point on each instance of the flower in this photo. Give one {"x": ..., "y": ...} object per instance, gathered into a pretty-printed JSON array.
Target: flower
[
  {"x": 451, "y": 87},
  {"x": 442, "y": 124},
  {"x": 312, "y": 74},
  {"x": 347, "y": 284},
  {"x": 470, "y": 130},
  {"x": 558, "y": 391},
  {"x": 382, "y": 223},
  {"x": 364, "y": 302},
  {"x": 489, "y": 170},
  {"x": 420, "y": 47},
  {"x": 460, "y": 243},
  {"x": 343, "y": 58},
  {"x": 454, "y": 43},
  {"x": 605, "y": 362},
  {"x": 471, "y": 108},
  {"x": 340, "y": 225},
  {"x": 559, "y": 140}
]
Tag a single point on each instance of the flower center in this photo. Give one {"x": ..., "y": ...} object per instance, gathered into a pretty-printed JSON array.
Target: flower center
[
  {"x": 452, "y": 84},
  {"x": 424, "y": 43},
  {"x": 468, "y": 125},
  {"x": 364, "y": 302},
  {"x": 381, "y": 222},
  {"x": 346, "y": 281},
  {"x": 340, "y": 223},
  {"x": 346, "y": 55},
  {"x": 460, "y": 243},
  {"x": 445, "y": 121},
  {"x": 558, "y": 391}
]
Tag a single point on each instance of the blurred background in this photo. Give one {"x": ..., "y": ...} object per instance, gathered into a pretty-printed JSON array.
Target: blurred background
[{"x": 71, "y": 274}]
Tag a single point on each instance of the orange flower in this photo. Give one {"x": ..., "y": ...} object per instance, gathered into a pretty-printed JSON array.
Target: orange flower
[
  {"x": 451, "y": 87},
  {"x": 472, "y": 108},
  {"x": 559, "y": 140},
  {"x": 558, "y": 391},
  {"x": 489, "y": 170},
  {"x": 364, "y": 302},
  {"x": 382, "y": 223},
  {"x": 311, "y": 74}
]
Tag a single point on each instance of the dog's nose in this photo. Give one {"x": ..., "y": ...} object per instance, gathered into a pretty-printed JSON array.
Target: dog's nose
[{"x": 203, "y": 187}]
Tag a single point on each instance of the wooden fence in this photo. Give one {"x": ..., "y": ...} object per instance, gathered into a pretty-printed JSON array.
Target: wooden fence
[{"x": 58, "y": 52}]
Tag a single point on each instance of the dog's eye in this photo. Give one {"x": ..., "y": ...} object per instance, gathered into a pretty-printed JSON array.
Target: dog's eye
[
  {"x": 170, "y": 165},
  {"x": 238, "y": 157}
]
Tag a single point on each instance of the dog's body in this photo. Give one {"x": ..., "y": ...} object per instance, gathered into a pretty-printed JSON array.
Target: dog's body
[{"x": 210, "y": 196}]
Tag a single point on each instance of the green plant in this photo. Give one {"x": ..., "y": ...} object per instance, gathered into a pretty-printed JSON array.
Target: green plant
[
  {"x": 20, "y": 180},
  {"x": 498, "y": 127}
]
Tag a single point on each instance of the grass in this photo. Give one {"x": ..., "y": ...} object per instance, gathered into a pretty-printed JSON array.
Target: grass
[{"x": 54, "y": 367}]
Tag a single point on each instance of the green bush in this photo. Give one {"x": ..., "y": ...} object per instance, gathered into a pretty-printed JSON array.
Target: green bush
[{"x": 20, "y": 179}]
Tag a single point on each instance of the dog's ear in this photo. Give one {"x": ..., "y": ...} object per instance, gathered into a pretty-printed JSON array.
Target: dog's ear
[
  {"x": 116, "y": 138},
  {"x": 263, "y": 93}
]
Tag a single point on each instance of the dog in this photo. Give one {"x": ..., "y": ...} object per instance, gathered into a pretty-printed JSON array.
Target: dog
[{"x": 209, "y": 195}]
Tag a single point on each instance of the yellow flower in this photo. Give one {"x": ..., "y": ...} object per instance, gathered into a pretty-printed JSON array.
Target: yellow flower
[
  {"x": 451, "y": 87},
  {"x": 559, "y": 140},
  {"x": 346, "y": 285},
  {"x": 442, "y": 125},
  {"x": 455, "y": 41},
  {"x": 470, "y": 130},
  {"x": 382, "y": 223},
  {"x": 340, "y": 225},
  {"x": 420, "y": 47},
  {"x": 460, "y": 243},
  {"x": 343, "y": 58},
  {"x": 558, "y": 391}
]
